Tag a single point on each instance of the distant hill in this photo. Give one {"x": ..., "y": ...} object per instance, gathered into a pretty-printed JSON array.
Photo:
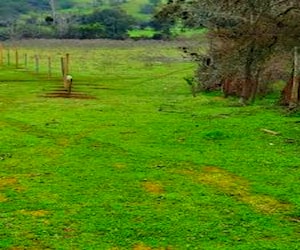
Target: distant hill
[
  {"x": 72, "y": 18},
  {"x": 141, "y": 9},
  {"x": 10, "y": 9}
]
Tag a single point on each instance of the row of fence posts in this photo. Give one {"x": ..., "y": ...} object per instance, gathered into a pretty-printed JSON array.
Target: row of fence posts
[{"x": 64, "y": 62}]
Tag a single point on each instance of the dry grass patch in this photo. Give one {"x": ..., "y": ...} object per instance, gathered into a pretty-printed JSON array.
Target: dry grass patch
[
  {"x": 238, "y": 188},
  {"x": 4, "y": 182},
  {"x": 63, "y": 141},
  {"x": 8, "y": 183},
  {"x": 153, "y": 187},
  {"x": 265, "y": 204},
  {"x": 35, "y": 213},
  {"x": 3, "y": 198},
  {"x": 142, "y": 246},
  {"x": 119, "y": 165}
]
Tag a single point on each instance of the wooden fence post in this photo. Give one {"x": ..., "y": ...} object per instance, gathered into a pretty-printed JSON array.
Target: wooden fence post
[
  {"x": 67, "y": 80},
  {"x": 17, "y": 58},
  {"x": 37, "y": 64},
  {"x": 1, "y": 54},
  {"x": 67, "y": 64},
  {"x": 62, "y": 64},
  {"x": 25, "y": 61},
  {"x": 49, "y": 67},
  {"x": 8, "y": 56},
  {"x": 63, "y": 70}
]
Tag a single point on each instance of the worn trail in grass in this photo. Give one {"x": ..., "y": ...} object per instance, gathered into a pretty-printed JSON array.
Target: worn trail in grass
[{"x": 142, "y": 165}]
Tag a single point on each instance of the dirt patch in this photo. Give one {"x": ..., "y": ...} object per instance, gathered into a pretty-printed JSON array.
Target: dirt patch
[
  {"x": 64, "y": 94},
  {"x": 239, "y": 188},
  {"x": 60, "y": 92},
  {"x": 153, "y": 187}
]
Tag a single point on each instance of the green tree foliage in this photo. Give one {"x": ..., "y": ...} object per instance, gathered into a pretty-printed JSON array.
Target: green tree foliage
[
  {"x": 107, "y": 23},
  {"x": 20, "y": 19},
  {"x": 89, "y": 31},
  {"x": 10, "y": 9}
]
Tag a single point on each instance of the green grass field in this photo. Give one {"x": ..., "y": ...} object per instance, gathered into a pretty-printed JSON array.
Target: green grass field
[
  {"x": 132, "y": 7},
  {"x": 133, "y": 161}
]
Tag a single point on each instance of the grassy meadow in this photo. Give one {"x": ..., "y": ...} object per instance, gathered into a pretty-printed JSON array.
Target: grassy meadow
[{"x": 132, "y": 161}]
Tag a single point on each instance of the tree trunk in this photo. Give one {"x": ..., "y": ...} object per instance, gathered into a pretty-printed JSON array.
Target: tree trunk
[
  {"x": 255, "y": 86},
  {"x": 285, "y": 96},
  {"x": 248, "y": 81},
  {"x": 295, "y": 87}
]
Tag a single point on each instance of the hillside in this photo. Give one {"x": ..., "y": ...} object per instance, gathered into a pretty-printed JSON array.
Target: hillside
[
  {"x": 137, "y": 8},
  {"x": 77, "y": 19}
]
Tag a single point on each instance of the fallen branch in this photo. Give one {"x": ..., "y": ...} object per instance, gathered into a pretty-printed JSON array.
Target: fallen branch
[{"x": 270, "y": 131}]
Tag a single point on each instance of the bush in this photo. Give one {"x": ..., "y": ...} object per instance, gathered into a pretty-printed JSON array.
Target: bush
[
  {"x": 114, "y": 24},
  {"x": 4, "y": 34}
]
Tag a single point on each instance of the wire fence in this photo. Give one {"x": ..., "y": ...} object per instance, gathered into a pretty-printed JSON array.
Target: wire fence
[
  {"x": 97, "y": 65},
  {"x": 40, "y": 64}
]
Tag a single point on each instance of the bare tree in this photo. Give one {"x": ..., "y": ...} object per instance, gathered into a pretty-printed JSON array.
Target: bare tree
[
  {"x": 53, "y": 9},
  {"x": 244, "y": 36}
]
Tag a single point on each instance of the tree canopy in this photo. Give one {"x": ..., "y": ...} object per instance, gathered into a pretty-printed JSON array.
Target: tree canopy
[{"x": 44, "y": 19}]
